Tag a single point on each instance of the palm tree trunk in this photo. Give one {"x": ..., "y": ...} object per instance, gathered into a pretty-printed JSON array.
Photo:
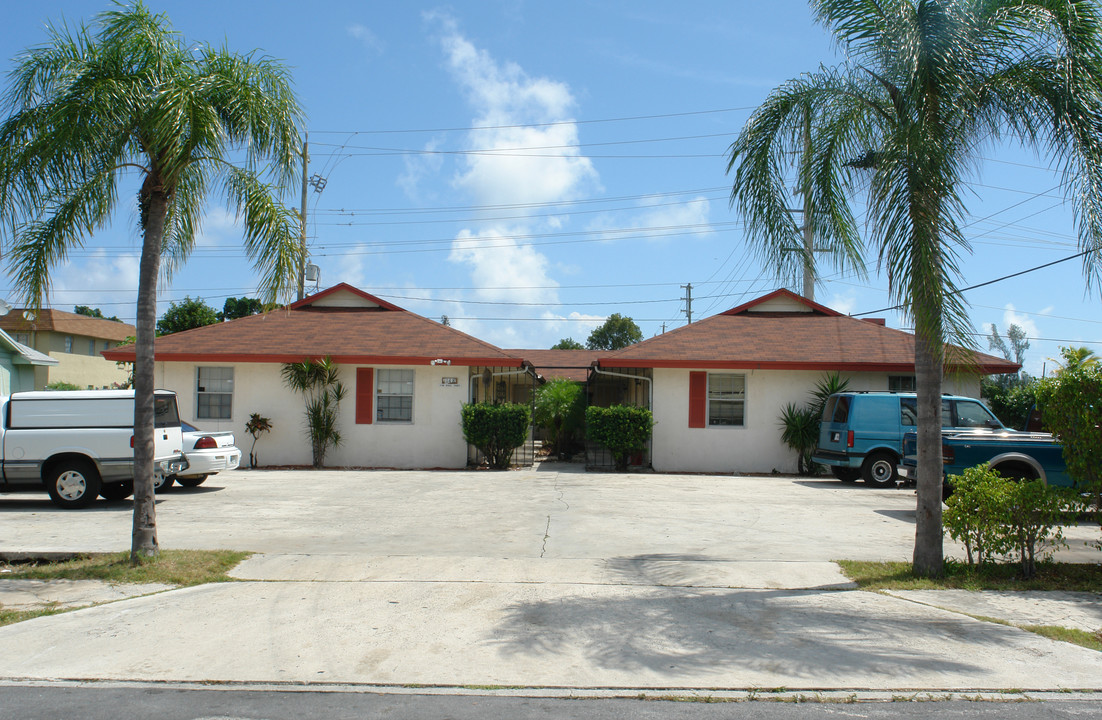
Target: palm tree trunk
[
  {"x": 154, "y": 209},
  {"x": 928, "y": 552}
]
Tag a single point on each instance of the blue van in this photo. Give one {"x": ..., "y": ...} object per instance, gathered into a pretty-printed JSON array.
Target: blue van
[{"x": 861, "y": 433}]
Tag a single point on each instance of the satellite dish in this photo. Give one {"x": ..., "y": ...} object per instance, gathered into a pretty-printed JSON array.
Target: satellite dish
[
  {"x": 28, "y": 316},
  {"x": 4, "y": 308}
]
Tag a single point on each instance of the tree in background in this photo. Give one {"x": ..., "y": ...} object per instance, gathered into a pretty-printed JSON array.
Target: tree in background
[
  {"x": 93, "y": 312},
  {"x": 319, "y": 383},
  {"x": 1015, "y": 352},
  {"x": 1071, "y": 406},
  {"x": 241, "y": 307},
  {"x": 1009, "y": 396},
  {"x": 559, "y": 408},
  {"x": 1073, "y": 358},
  {"x": 925, "y": 87},
  {"x": 186, "y": 314},
  {"x": 129, "y": 100},
  {"x": 616, "y": 332},
  {"x": 568, "y": 344}
]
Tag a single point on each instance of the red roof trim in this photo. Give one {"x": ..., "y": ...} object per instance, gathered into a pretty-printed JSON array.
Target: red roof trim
[
  {"x": 307, "y": 301},
  {"x": 766, "y": 365},
  {"x": 128, "y": 356},
  {"x": 786, "y": 294}
]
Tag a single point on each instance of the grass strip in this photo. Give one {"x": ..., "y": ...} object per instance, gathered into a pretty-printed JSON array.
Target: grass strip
[
  {"x": 1069, "y": 577},
  {"x": 172, "y": 567}
]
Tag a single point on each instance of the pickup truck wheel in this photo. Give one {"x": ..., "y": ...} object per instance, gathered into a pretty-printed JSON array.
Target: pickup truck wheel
[
  {"x": 879, "y": 469},
  {"x": 72, "y": 484},
  {"x": 846, "y": 474},
  {"x": 191, "y": 480},
  {"x": 116, "y": 491}
]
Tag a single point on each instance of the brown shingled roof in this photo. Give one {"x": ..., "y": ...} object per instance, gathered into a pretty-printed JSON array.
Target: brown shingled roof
[
  {"x": 59, "y": 321},
  {"x": 821, "y": 339},
  {"x": 569, "y": 364},
  {"x": 372, "y": 331}
]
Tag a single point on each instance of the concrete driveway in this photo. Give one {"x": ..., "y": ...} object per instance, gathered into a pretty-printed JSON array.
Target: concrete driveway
[{"x": 538, "y": 578}]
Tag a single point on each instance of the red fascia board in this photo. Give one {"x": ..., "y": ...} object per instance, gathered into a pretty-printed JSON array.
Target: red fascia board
[
  {"x": 786, "y": 365},
  {"x": 298, "y": 357}
]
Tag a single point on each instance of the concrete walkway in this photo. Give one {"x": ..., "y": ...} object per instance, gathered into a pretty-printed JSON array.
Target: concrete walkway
[{"x": 542, "y": 580}]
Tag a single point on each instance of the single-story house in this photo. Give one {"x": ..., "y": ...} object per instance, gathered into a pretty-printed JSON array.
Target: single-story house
[
  {"x": 407, "y": 377},
  {"x": 717, "y": 386},
  {"x": 18, "y": 364},
  {"x": 75, "y": 341}
]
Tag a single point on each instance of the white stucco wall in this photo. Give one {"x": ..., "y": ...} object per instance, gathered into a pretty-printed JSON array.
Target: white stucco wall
[
  {"x": 756, "y": 447},
  {"x": 433, "y": 439}
]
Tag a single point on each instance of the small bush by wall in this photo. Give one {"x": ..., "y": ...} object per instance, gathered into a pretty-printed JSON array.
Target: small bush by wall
[
  {"x": 496, "y": 430},
  {"x": 623, "y": 429}
]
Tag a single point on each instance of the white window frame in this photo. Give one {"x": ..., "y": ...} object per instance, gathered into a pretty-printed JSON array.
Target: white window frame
[
  {"x": 213, "y": 386},
  {"x": 900, "y": 383},
  {"x": 724, "y": 400},
  {"x": 387, "y": 383}
]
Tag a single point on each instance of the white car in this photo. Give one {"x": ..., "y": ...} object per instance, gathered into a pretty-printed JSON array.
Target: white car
[{"x": 207, "y": 453}]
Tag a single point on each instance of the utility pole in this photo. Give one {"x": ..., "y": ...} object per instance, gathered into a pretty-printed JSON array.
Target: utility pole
[
  {"x": 302, "y": 219},
  {"x": 809, "y": 242},
  {"x": 688, "y": 302}
]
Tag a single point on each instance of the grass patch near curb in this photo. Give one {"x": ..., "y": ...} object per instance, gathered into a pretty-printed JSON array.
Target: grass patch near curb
[
  {"x": 1069, "y": 577},
  {"x": 1075, "y": 636},
  {"x": 172, "y": 567}
]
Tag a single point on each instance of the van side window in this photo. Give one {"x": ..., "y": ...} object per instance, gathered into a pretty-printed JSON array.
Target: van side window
[
  {"x": 841, "y": 410},
  {"x": 908, "y": 411}
]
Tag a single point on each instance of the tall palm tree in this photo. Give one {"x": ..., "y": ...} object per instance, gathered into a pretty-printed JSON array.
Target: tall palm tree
[
  {"x": 926, "y": 86},
  {"x": 129, "y": 101}
]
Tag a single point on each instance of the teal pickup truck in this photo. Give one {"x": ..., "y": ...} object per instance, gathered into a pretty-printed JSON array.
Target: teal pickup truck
[{"x": 1021, "y": 455}]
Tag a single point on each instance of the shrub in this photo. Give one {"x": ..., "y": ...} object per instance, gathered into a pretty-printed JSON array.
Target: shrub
[
  {"x": 559, "y": 408},
  {"x": 1071, "y": 405},
  {"x": 622, "y": 429},
  {"x": 992, "y": 515},
  {"x": 496, "y": 430},
  {"x": 973, "y": 512},
  {"x": 62, "y": 385},
  {"x": 318, "y": 382}
]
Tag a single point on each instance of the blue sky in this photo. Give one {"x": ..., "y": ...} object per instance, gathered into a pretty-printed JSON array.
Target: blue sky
[{"x": 528, "y": 168}]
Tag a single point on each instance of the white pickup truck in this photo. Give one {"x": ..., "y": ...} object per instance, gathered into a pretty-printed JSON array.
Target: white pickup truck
[{"x": 79, "y": 444}]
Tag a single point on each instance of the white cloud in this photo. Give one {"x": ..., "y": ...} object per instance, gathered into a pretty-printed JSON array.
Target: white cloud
[
  {"x": 526, "y": 154},
  {"x": 659, "y": 219},
  {"x": 106, "y": 281},
  {"x": 366, "y": 37},
  {"x": 844, "y": 303},
  {"x": 418, "y": 167}
]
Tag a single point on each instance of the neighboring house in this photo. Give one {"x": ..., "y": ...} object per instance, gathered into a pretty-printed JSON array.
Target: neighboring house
[
  {"x": 18, "y": 364},
  {"x": 75, "y": 341},
  {"x": 717, "y": 386},
  {"x": 407, "y": 378}
]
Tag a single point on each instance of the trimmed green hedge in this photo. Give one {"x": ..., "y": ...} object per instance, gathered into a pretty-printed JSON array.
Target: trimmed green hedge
[
  {"x": 623, "y": 429},
  {"x": 496, "y": 430}
]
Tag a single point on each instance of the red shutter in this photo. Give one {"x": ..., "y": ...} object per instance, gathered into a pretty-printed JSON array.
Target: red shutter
[
  {"x": 365, "y": 395},
  {"x": 698, "y": 398}
]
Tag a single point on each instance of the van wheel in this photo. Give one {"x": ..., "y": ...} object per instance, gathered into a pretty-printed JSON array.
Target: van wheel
[
  {"x": 846, "y": 474},
  {"x": 191, "y": 480},
  {"x": 879, "y": 469},
  {"x": 116, "y": 491},
  {"x": 72, "y": 484}
]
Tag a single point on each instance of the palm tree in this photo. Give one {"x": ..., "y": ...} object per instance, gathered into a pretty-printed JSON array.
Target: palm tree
[
  {"x": 926, "y": 86},
  {"x": 318, "y": 382},
  {"x": 1075, "y": 358},
  {"x": 129, "y": 100}
]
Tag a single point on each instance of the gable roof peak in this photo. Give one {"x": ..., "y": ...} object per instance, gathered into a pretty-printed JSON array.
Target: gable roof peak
[
  {"x": 782, "y": 300},
  {"x": 343, "y": 295}
]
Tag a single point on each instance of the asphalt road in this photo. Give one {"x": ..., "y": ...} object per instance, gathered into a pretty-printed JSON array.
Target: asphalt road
[{"x": 89, "y": 703}]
